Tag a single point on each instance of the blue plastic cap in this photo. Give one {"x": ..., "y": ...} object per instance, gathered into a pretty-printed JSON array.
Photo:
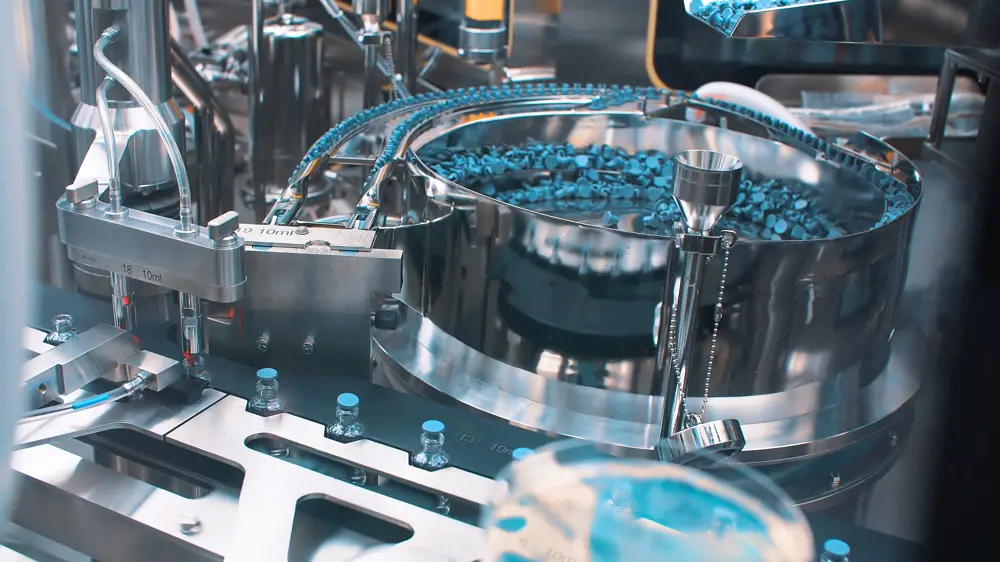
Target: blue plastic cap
[
  {"x": 837, "y": 547},
  {"x": 432, "y": 426},
  {"x": 521, "y": 453},
  {"x": 348, "y": 400},
  {"x": 267, "y": 374}
]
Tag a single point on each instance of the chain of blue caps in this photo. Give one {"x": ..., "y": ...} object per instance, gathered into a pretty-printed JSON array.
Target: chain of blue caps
[{"x": 767, "y": 210}]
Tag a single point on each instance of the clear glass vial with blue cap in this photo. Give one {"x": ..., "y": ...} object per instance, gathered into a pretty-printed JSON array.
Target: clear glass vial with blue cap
[
  {"x": 348, "y": 426},
  {"x": 266, "y": 401},
  {"x": 431, "y": 455}
]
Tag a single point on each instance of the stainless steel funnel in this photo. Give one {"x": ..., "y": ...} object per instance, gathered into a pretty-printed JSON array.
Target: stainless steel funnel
[{"x": 706, "y": 185}]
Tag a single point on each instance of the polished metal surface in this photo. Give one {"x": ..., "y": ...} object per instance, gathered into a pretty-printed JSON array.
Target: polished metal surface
[
  {"x": 294, "y": 107},
  {"x": 72, "y": 364},
  {"x": 706, "y": 185},
  {"x": 222, "y": 432},
  {"x": 805, "y": 421},
  {"x": 718, "y": 438},
  {"x": 312, "y": 292},
  {"x": 797, "y": 313},
  {"x": 149, "y": 415},
  {"x": 142, "y": 52},
  {"x": 196, "y": 515},
  {"x": 146, "y": 247}
]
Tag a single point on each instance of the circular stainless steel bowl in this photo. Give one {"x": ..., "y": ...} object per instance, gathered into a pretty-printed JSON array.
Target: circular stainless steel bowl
[{"x": 546, "y": 319}]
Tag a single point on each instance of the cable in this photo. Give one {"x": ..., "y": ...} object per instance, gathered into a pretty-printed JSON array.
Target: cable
[
  {"x": 127, "y": 389},
  {"x": 195, "y": 23},
  {"x": 110, "y": 34}
]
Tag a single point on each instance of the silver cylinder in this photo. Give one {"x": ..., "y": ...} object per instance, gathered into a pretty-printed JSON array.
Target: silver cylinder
[
  {"x": 294, "y": 101},
  {"x": 141, "y": 48},
  {"x": 141, "y": 51}
]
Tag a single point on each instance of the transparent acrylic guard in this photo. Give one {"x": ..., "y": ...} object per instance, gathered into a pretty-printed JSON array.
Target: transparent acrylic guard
[{"x": 571, "y": 502}]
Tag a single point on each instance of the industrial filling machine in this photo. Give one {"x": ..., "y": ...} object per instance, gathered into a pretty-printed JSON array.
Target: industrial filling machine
[{"x": 486, "y": 280}]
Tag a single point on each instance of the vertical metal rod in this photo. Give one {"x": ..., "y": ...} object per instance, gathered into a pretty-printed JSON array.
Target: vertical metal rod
[
  {"x": 406, "y": 43},
  {"x": 942, "y": 102},
  {"x": 373, "y": 79},
  {"x": 692, "y": 274},
  {"x": 192, "y": 345},
  {"x": 256, "y": 39}
]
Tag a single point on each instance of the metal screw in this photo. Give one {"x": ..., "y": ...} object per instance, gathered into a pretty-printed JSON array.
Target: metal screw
[
  {"x": 834, "y": 480},
  {"x": 893, "y": 438},
  {"x": 263, "y": 343},
  {"x": 309, "y": 345},
  {"x": 301, "y": 230},
  {"x": 190, "y": 525}
]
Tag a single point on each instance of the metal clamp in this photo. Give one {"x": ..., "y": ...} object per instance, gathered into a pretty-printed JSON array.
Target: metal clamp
[
  {"x": 71, "y": 365},
  {"x": 144, "y": 246}
]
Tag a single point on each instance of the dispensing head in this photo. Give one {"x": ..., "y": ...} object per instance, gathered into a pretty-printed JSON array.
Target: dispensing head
[{"x": 706, "y": 185}]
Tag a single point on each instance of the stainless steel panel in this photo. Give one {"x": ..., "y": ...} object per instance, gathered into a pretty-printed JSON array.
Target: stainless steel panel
[
  {"x": 222, "y": 432},
  {"x": 148, "y": 416}
]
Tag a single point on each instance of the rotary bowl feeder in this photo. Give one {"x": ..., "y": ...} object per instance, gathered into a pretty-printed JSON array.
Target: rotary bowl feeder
[{"x": 521, "y": 273}]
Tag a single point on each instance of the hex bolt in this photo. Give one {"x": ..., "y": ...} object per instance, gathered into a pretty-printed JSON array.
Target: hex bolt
[
  {"x": 263, "y": 343},
  {"x": 301, "y": 230},
  {"x": 190, "y": 525},
  {"x": 309, "y": 345}
]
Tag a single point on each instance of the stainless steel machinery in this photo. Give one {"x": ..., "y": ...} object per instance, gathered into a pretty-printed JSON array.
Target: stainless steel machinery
[{"x": 661, "y": 273}]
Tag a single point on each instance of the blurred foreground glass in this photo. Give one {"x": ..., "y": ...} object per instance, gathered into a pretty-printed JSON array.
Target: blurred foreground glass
[{"x": 571, "y": 501}]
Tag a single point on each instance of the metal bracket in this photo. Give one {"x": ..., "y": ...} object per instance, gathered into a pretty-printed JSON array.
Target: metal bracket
[
  {"x": 144, "y": 246},
  {"x": 71, "y": 365},
  {"x": 705, "y": 244},
  {"x": 303, "y": 236}
]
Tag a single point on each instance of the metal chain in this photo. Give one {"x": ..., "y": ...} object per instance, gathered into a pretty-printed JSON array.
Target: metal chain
[
  {"x": 391, "y": 67},
  {"x": 727, "y": 243}
]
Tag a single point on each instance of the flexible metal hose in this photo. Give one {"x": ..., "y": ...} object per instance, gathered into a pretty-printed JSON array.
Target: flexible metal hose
[{"x": 110, "y": 34}]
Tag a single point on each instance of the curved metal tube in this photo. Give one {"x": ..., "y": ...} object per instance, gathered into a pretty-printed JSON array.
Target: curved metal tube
[
  {"x": 187, "y": 225},
  {"x": 111, "y": 148}
]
